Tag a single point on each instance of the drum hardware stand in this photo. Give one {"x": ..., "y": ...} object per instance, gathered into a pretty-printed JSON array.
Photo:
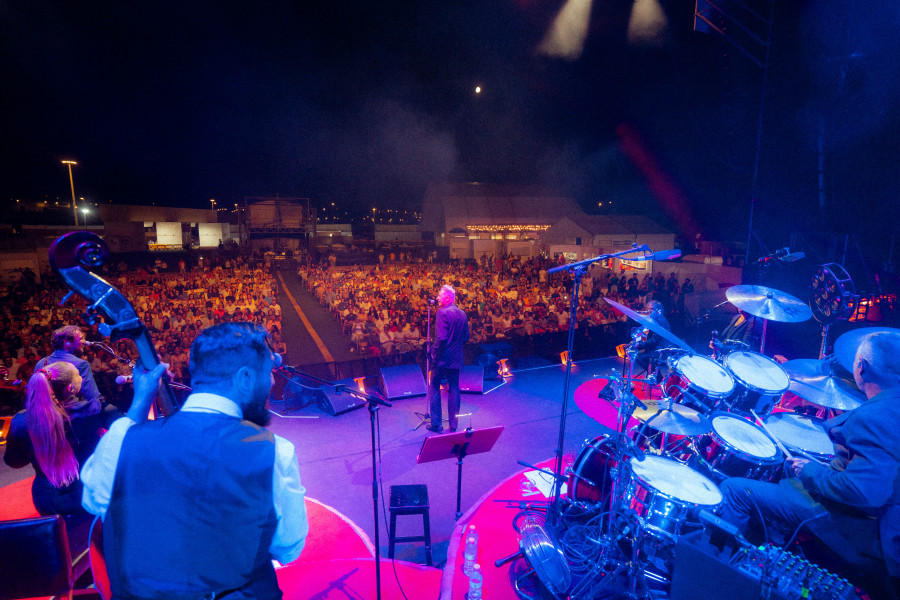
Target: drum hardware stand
[
  {"x": 373, "y": 401},
  {"x": 578, "y": 270}
]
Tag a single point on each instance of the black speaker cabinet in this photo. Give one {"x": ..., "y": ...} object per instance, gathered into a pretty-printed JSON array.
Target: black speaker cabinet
[
  {"x": 336, "y": 404},
  {"x": 471, "y": 380},
  {"x": 404, "y": 381}
]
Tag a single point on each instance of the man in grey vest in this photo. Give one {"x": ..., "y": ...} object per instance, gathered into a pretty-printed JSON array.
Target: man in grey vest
[{"x": 196, "y": 505}]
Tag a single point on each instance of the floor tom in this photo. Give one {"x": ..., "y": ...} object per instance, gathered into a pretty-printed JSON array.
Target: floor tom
[{"x": 664, "y": 494}]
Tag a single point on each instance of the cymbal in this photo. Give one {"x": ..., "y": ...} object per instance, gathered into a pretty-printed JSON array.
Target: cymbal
[
  {"x": 845, "y": 346},
  {"x": 679, "y": 420},
  {"x": 767, "y": 303},
  {"x": 815, "y": 381},
  {"x": 650, "y": 324}
]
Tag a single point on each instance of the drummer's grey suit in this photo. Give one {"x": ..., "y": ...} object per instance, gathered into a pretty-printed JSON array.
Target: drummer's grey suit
[{"x": 854, "y": 502}]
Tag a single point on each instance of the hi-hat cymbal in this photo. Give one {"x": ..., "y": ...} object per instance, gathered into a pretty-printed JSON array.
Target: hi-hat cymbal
[
  {"x": 767, "y": 303},
  {"x": 650, "y": 324},
  {"x": 845, "y": 346},
  {"x": 816, "y": 381},
  {"x": 679, "y": 420}
]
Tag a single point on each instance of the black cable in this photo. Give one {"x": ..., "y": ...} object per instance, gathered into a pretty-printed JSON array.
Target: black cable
[
  {"x": 802, "y": 523},
  {"x": 759, "y": 512}
]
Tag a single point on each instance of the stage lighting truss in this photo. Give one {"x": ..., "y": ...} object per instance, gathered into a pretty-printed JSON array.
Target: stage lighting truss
[{"x": 832, "y": 295}]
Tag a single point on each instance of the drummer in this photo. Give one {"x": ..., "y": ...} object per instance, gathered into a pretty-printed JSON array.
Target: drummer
[
  {"x": 744, "y": 328},
  {"x": 860, "y": 486}
]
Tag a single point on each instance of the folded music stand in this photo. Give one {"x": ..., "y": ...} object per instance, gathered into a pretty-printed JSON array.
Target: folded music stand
[{"x": 459, "y": 444}]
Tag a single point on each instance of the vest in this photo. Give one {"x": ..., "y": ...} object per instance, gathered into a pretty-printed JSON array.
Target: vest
[{"x": 192, "y": 511}]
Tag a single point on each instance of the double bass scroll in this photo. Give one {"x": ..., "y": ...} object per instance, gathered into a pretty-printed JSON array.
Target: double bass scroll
[{"x": 71, "y": 256}]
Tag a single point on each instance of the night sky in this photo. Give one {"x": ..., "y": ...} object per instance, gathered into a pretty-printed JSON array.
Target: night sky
[{"x": 365, "y": 103}]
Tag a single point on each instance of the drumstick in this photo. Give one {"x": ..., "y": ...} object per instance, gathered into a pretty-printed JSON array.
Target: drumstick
[
  {"x": 811, "y": 457},
  {"x": 775, "y": 439}
]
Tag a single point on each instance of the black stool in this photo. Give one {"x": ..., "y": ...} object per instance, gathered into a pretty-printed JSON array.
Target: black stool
[{"x": 410, "y": 500}]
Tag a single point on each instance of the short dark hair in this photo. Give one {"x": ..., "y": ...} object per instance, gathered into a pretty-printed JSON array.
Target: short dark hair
[
  {"x": 69, "y": 333},
  {"x": 219, "y": 351}
]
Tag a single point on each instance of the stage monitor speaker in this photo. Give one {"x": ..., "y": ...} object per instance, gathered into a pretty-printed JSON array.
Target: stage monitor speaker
[
  {"x": 336, "y": 404},
  {"x": 404, "y": 381},
  {"x": 497, "y": 349},
  {"x": 471, "y": 380}
]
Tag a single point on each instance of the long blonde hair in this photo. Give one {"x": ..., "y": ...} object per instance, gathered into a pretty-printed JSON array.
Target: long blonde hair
[{"x": 46, "y": 417}]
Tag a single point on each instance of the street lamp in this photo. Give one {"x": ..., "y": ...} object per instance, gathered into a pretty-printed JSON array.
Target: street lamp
[
  {"x": 213, "y": 203},
  {"x": 69, "y": 163}
]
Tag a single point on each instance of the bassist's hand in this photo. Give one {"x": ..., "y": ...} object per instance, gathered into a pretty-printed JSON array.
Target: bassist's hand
[{"x": 146, "y": 386}]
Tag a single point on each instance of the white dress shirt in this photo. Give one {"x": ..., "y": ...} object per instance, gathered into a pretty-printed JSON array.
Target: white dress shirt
[{"x": 99, "y": 472}]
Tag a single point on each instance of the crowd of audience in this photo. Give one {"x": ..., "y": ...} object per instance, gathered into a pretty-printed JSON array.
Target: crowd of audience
[
  {"x": 384, "y": 308},
  {"x": 174, "y": 304}
]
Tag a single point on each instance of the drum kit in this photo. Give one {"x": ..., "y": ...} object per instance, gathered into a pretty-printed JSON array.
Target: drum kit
[{"x": 703, "y": 421}]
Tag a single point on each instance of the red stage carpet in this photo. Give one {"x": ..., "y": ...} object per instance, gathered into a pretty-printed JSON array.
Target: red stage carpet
[
  {"x": 599, "y": 409},
  {"x": 496, "y": 539},
  {"x": 355, "y": 578},
  {"x": 16, "y": 503}
]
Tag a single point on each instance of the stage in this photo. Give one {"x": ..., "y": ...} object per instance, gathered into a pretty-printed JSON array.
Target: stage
[{"x": 335, "y": 467}]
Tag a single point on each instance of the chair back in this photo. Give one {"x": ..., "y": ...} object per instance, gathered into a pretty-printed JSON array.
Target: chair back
[
  {"x": 98, "y": 561},
  {"x": 34, "y": 558}
]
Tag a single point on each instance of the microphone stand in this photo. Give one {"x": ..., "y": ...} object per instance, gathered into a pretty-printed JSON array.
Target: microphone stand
[
  {"x": 578, "y": 270},
  {"x": 373, "y": 401},
  {"x": 109, "y": 350},
  {"x": 426, "y": 416}
]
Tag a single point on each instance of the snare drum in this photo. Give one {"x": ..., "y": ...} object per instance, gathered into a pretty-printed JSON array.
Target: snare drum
[
  {"x": 665, "y": 493},
  {"x": 698, "y": 381},
  {"x": 589, "y": 476},
  {"x": 738, "y": 448},
  {"x": 759, "y": 382},
  {"x": 801, "y": 433}
]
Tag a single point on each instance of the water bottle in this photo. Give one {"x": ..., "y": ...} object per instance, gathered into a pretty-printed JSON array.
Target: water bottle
[
  {"x": 470, "y": 553},
  {"x": 476, "y": 581},
  {"x": 472, "y": 532}
]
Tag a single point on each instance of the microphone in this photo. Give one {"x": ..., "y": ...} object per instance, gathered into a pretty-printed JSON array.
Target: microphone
[
  {"x": 662, "y": 255},
  {"x": 783, "y": 255},
  {"x": 123, "y": 379},
  {"x": 431, "y": 301},
  {"x": 636, "y": 452},
  {"x": 793, "y": 256},
  {"x": 94, "y": 344}
]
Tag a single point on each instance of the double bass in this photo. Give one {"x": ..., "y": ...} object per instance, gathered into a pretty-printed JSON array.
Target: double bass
[{"x": 71, "y": 257}]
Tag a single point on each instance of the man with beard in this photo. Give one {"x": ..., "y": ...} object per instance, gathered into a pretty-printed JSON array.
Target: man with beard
[
  {"x": 68, "y": 346},
  {"x": 197, "y": 504}
]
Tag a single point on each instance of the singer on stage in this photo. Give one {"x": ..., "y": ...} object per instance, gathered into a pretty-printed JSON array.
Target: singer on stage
[
  {"x": 447, "y": 358},
  {"x": 68, "y": 346}
]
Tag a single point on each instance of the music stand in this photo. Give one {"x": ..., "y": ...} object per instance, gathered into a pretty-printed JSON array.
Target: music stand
[{"x": 459, "y": 444}]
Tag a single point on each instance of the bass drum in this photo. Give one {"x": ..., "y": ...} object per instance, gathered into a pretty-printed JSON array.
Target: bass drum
[
  {"x": 759, "y": 382},
  {"x": 665, "y": 494},
  {"x": 698, "y": 382},
  {"x": 588, "y": 478}
]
